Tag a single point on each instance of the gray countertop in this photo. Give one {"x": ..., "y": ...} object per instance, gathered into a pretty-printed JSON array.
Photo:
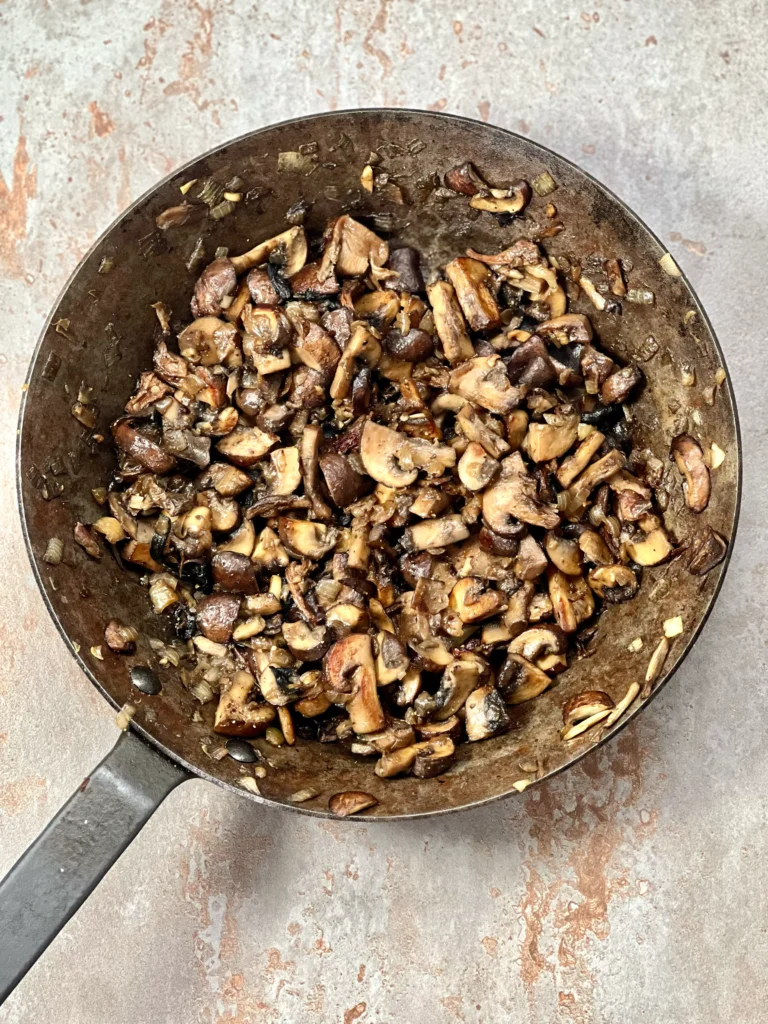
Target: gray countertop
[{"x": 632, "y": 887}]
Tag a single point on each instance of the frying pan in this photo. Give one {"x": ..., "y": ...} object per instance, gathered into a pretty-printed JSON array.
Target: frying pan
[{"x": 101, "y": 332}]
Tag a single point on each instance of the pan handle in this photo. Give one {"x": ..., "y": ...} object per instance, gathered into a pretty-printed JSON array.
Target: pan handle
[{"x": 67, "y": 861}]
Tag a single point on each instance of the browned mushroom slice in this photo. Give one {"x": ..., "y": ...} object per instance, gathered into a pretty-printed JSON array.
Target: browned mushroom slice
[
  {"x": 269, "y": 554},
  {"x": 473, "y": 600},
  {"x": 150, "y": 390},
  {"x": 286, "y": 471},
  {"x": 392, "y": 659},
  {"x": 362, "y": 345},
  {"x": 383, "y": 452},
  {"x": 236, "y": 714},
  {"x": 406, "y": 265},
  {"x": 564, "y": 553},
  {"x": 619, "y": 386},
  {"x": 476, "y": 468},
  {"x": 84, "y": 537},
  {"x": 379, "y": 308},
  {"x": 351, "y": 248},
  {"x": 246, "y": 446},
  {"x": 579, "y": 491},
  {"x": 449, "y": 322},
  {"x": 317, "y": 350},
  {"x": 433, "y": 757},
  {"x": 273, "y": 504},
  {"x": 429, "y": 502},
  {"x": 242, "y": 540},
  {"x": 168, "y": 365},
  {"x": 613, "y": 583},
  {"x": 459, "y": 679},
  {"x": 307, "y": 643},
  {"x": 139, "y": 553},
  {"x": 566, "y": 329},
  {"x": 522, "y": 253},
  {"x": 584, "y": 705},
  {"x": 216, "y": 616},
  {"x": 571, "y": 467},
  {"x": 234, "y": 572},
  {"x": 140, "y": 448},
  {"x": 484, "y": 381},
  {"x": 514, "y": 499},
  {"x": 291, "y": 245},
  {"x": 306, "y": 538},
  {"x": 520, "y": 680},
  {"x": 553, "y": 438},
  {"x": 309, "y": 452},
  {"x": 651, "y": 548},
  {"x": 530, "y": 560},
  {"x": 353, "y": 802},
  {"x": 345, "y": 485},
  {"x": 689, "y": 459},
  {"x": 486, "y": 714},
  {"x": 260, "y": 289},
  {"x": 350, "y": 670},
  {"x": 464, "y": 179},
  {"x": 633, "y": 497},
  {"x": 538, "y": 642},
  {"x": 594, "y": 548},
  {"x": 225, "y": 512},
  {"x": 470, "y": 281},
  {"x": 596, "y": 368},
  {"x": 207, "y": 341},
  {"x": 475, "y": 429},
  {"x": 217, "y": 282},
  {"x": 571, "y": 598},
  {"x": 437, "y": 533},
  {"x": 265, "y": 345},
  {"x": 503, "y": 200},
  {"x": 705, "y": 551}
]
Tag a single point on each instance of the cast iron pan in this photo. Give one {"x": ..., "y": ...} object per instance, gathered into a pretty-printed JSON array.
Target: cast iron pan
[{"x": 108, "y": 340}]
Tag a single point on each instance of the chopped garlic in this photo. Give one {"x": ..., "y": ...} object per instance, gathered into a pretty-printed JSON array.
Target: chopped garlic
[{"x": 673, "y": 627}]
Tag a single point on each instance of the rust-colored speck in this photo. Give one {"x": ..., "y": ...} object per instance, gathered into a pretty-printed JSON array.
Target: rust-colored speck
[
  {"x": 20, "y": 794},
  {"x": 454, "y": 1004},
  {"x": 84, "y": 784},
  {"x": 101, "y": 123},
  {"x": 484, "y": 109},
  {"x": 538, "y": 32},
  {"x": 490, "y": 945},
  {"x": 651, "y": 41},
  {"x": 13, "y": 207},
  {"x": 361, "y": 973},
  {"x": 697, "y": 248},
  {"x": 355, "y": 1013},
  {"x": 438, "y": 104},
  {"x": 379, "y": 26}
]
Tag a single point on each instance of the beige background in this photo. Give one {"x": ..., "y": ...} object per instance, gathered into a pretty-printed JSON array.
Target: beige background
[{"x": 631, "y": 889}]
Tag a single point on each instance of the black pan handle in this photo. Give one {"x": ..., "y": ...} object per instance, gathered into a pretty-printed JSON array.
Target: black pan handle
[{"x": 67, "y": 861}]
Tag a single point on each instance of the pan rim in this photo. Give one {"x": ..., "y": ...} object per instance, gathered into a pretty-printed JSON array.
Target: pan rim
[{"x": 399, "y": 113}]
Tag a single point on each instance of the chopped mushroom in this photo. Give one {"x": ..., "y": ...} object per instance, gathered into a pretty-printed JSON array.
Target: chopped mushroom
[
  {"x": 484, "y": 380},
  {"x": 486, "y": 714},
  {"x": 514, "y": 498},
  {"x": 449, "y": 322},
  {"x": 476, "y": 468},
  {"x": 689, "y": 459},
  {"x": 350, "y": 670},
  {"x": 470, "y": 281},
  {"x": 237, "y": 714}
]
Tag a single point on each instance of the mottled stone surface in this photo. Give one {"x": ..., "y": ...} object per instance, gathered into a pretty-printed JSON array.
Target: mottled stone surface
[{"x": 633, "y": 888}]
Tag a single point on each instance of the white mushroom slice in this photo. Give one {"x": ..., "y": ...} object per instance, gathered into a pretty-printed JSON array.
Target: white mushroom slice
[
  {"x": 245, "y": 446},
  {"x": 553, "y": 438},
  {"x": 307, "y": 538},
  {"x": 484, "y": 381},
  {"x": 476, "y": 467},
  {"x": 287, "y": 472},
  {"x": 362, "y": 345},
  {"x": 207, "y": 340},
  {"x": 469, "y": 278},
  {"x": 269, "y": 553},
  {"x": 578, "y": 462},
  {"x": 352, "y": 249},
  {"x": 350, "y": 671},
  {"x": 564, "y": 553},
  {"x": 514, "y": 500},
  {"x": 292, "y": 243},
  {"x": 473, "y": 601},
  {"x": 572, "y": 599},
  {"x": 236, "y": 715},
  {"x": 392, "y": 659},
  {"x": 474, "y": 429},
  {"x": 437, "y": 533},
  {"x": 486, "y": 714},
  {"x": 652, "y": 549},
  {"x": 449, "y": 322},
  {"x": 459, "y": 679},
  {"x": 382, "y": 451}
]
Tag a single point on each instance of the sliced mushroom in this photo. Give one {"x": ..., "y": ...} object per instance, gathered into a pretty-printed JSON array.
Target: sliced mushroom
[
  {"x": 570, "y": 468},
  {"x": 613, "y": 583},
  {"x": 217, "y": 281},
  {"x": 392, "y": 659},
  {"x": 564, "y": 553},
  {"x": 584, "y": 705},
  {"x": 594, "y": 475},
  {"x": 379, "y": 308},
  {"x": 473, "y": 600},
  {"x": 651, "y": 548},
  {"x": 434, "y": 757},
  {"x": 350, "y": 669},
  {"x": 268, "y": 334},
  {"x": 464, "y": 179},
  {"x": 470, "y": 281},
  {"x": 287, "y": 472},
  {"x": 246, "y": 446},
  {"x": 151, "y": 389},
  {"x": 382, "y": 451},
  {"x": 234, "y": 572},
  {"x": 459, "y": 679},
  {"x": 503, "y": 200},
  {"x": 705, "y": 551},
  {"x": 290, "y": 244},
  {"x": 633, "y": 497},
  {"x": 429, "y": 502},
  {"x": 621, "y": 384},
  {"x": 362, "y": 345},
  {"x": 449, "y": 322},
  {"x": 486, "y": 714},
  {"x": 594, "y": 548},
  {"x": 207, "y": 341},
  {"x": 689, "y": 459},
  {"x": 352, "y": 249},
  {"x": 405, "y": 263},
  {"x": 538, "y": 642},
  {"x": 141, "y": 449},
  {"x": 260, "y": 289},
  {"x": 120, "y": 638},
  {"x": 305, "y": 642},
  {"x": 168, "y": 365},
  {"x": 530, "y": 561},
  {"x": 571, "y": 598},
  {"x": 484, "y": 381},
  {"x": 520, "y": 680},
  {"x": 476, "y": 468},
  {"x": 317, "y": 350},
  {"x": 225, "y": 512},
  {"x": 553, "y": 438},
  {"x": 344, "y": 484},
  {"x": 474, "y": 429},
  {"x": 306, "y": 538},
  {"x": 596, "y": 367},
  {"x": 567, "y": 329},
  {"x": 216, "y": 616},
  {"x": 269, "y": 554},
  {"x": 437, "y": 533},
  {"x": 236, "y": 714},
  {"x": 514, "y": 499},
  {"x": 309, "y": 452}
]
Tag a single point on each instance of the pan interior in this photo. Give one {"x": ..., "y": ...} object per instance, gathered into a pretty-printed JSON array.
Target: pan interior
[{"x": 101, "y": 334}]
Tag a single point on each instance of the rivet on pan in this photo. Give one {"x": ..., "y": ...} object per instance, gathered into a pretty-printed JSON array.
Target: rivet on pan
[
  {"x": 144, "y": 679},
  {"x": 239, "y": 750}
]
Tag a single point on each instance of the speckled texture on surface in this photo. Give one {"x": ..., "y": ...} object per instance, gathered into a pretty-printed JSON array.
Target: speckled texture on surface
[{"x": 631, "y": 888}]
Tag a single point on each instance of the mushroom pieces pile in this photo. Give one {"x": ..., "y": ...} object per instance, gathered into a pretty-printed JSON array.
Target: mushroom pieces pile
[{"x": 376, "y": 511}]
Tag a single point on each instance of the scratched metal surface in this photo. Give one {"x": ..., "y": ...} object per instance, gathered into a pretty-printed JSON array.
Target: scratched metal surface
[{"x": 631, "y": 888}]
